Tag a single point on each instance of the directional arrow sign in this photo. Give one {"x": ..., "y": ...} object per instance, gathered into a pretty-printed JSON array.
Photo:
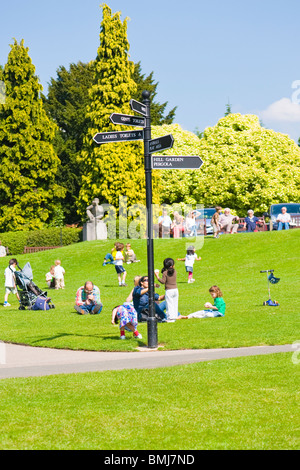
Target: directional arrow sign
[
  {"x": 138, "y": 107},
  {"x": 162, "y": 143},
  {"x": 176, "y": 163},
  {"x": 120, "y": 136},
  {"x": 127, "y": 120}
]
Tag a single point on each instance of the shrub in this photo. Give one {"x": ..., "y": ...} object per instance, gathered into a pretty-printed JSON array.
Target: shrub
[{"x": 16, "y": 241}]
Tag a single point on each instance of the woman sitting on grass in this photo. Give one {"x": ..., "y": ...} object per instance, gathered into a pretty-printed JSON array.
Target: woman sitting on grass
[{"x": 215, "y": 310}]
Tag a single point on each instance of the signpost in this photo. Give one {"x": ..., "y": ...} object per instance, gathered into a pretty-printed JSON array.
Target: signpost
[
  {"x": 126, "y": 120},
  {"x": 119, "y": 136},
  {"x": 151, "y": 162},
  {"x": 138, "y": 107},
  {"x": 161, "y": 143},
  {"x": 176, "y": 163}
]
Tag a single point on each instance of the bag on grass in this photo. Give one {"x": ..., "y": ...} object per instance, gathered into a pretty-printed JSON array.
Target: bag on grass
[
  {"x": 41, "y": 303},
  {"x": 144, "y": 315}
]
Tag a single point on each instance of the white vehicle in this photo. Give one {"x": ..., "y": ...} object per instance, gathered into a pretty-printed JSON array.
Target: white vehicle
[{"x": 292, "y": 208}]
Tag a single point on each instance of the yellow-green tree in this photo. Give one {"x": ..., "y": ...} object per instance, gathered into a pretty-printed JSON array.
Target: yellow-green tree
[
  {"x": 28, "y": 163},
  {"x": 115, "y": 169},
  {"x": 244, "y": 166}
]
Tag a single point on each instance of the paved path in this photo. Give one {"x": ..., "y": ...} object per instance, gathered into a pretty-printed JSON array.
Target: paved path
[{"x": 26, "y": 361}]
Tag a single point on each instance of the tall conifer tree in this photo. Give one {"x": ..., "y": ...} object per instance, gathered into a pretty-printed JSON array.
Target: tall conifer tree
[
  {"x": 28, "y": 163},
  {"x": 114, "y": 169}
]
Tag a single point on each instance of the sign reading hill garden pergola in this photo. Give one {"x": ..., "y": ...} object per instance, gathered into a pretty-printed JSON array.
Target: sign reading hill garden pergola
[{"x": 151, "y": 162}]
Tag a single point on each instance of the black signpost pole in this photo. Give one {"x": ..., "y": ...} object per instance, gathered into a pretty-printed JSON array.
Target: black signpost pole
[{"x": 152, "y": 322}]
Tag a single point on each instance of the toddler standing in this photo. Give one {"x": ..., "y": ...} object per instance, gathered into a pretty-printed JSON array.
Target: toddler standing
[
  {"x": 121, "y": 271},
  {"x": 189, "y": 260},
  {"x": 59, "y": 274}
]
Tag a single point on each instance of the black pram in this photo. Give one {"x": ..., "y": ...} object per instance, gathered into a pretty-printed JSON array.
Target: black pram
[{"x": 31, "y": 296}]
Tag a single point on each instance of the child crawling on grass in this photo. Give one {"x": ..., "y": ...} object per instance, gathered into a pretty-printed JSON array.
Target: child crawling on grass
[{"x": 216, "y": 310}]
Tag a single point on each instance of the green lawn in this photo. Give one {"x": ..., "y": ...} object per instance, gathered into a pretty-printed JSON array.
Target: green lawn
[
  {"x": 232, "y": 262},
  {"x": 240, "y": 403}
]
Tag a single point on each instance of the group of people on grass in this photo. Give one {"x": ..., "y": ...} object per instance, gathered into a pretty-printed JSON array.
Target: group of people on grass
[
  {"x": 136, "y": 307},
  {"x": 222, "y": 222},
  {"x": 129, "y": 314}
]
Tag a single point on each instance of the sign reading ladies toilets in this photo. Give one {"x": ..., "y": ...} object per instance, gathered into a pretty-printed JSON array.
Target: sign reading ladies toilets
[{"x": 151, "y": 162}]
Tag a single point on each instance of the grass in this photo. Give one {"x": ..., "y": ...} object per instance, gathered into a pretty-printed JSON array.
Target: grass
[
  {"x": 232, "y": 262},
  {"x": 240, "y": 403}
]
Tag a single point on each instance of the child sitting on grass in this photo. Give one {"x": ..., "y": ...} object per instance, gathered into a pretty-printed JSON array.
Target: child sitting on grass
[
  {"x": 215, "y": 310},
  {"x": 130, "y": 255}
]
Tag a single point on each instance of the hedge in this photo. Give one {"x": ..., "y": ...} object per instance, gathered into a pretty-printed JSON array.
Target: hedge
[{"x": 16, "y": 241}]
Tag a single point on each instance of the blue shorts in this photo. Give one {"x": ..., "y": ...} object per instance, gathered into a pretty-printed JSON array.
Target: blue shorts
[
  {"x": 120, "y": 269},
  {"x": 189, "y": 269}
]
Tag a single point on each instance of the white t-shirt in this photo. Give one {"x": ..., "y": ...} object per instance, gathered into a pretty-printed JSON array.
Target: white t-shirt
[
  {"x": 284, "y": 217},
  {"x": 190, "y": 259},
  {"x": 9, "y": 276},
  {"x": 59, "y": 272},
  {"x": 119, "y": 258},
  {"x": 166, "y": 220},
  {"x": 2, "y": 251}
]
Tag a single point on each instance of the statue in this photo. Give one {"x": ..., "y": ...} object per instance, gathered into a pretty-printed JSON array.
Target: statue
[{"x": 94, "y": 228}]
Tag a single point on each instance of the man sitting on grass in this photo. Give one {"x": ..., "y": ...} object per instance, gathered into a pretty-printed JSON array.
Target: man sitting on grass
[{"x": 88, "y": 299}]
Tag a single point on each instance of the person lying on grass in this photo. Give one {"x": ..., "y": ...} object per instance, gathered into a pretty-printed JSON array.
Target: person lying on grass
[
  {"x": 127, "y": 316},
  {"x": 215, "y": 310}
]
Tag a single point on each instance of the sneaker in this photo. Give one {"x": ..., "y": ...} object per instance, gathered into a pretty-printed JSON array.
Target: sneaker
[
  {"x": 6, "y": 304},
  {"x": 79, "y": 310},
  {"x": 96, "y": 309},
  {"x": 193, "y": 280},
  {"x": 139, "y": 336},
  {"x": 123, "y": 284},
  {"x": 122, "y": 337}
]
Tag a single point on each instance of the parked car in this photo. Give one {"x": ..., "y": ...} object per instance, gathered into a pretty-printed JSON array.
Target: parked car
[
  {"x": 291, "y": 207},
  {"x": 207, "y": 214}
]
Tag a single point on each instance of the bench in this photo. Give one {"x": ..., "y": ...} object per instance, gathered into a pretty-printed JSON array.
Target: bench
[
  {"x": 35, "y": 249},
  {"x": 261, "y": 225},
  {"x": 295, "y": 221}
]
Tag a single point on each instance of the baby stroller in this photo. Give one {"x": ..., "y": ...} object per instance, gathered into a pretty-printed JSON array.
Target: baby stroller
[{"x": 31, "y": 296}]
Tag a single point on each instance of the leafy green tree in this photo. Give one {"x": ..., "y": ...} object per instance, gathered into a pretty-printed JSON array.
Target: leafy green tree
[
  {"x": 244, "y": 166},
  {"x": 28, "y": 163},
  {"x": 157, "y": 110},
  {"x": 66, "y": 104},
  {"x": 114, "y": 169}
]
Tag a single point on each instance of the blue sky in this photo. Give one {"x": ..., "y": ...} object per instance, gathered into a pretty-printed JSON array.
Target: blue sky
[{"x": 203, "y": 54}]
